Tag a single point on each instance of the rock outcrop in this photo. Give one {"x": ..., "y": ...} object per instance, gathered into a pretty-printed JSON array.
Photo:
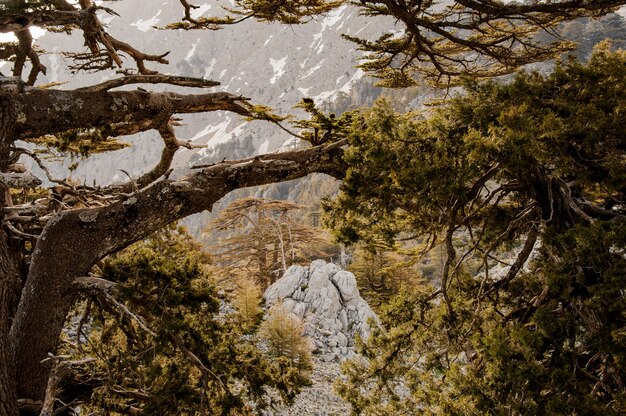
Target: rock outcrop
[{"x": 327, "y": 299}]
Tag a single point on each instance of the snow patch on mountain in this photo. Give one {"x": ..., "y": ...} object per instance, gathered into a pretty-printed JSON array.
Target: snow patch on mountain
[
  {"x": 207, "y": 72},
  {"x": 264, "y": 146},
  {"x": 323, "y": 96},
  {"x": 317, "y": 38},
  {"x": 145, "y": 25},
  {"x": 313, "y": 70},
  {"x": 304, "y": 91},
  {"x": 192, "y": 51},
  {"x": 217, "y": 131},
  {"x": 334, "y": 17},
  {"x": 348, "y": 85},
  {"x": 278, "y": 65},
  {"x": 200, "y": 10}
]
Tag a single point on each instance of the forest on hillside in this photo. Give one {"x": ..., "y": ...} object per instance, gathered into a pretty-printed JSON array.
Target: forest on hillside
[{"x": 469, "y": 174}]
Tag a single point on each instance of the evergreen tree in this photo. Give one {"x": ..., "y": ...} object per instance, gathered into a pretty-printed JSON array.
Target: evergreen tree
[
  {"x": 266, "y": 239},
  {"x": 380, "y": 273},
  {"x": 48, "y": 243},
  {"x": 161, "y": 345},
  {"x": 529, "y": 174}
]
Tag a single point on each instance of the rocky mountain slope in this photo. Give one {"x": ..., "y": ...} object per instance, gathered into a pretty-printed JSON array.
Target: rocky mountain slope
[{"x": 272, "y": 64}]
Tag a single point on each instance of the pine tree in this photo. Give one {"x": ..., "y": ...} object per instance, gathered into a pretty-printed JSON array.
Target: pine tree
[
  {"x": 527, "y": 174},
  {"x": 265, "y": 239},
  {"x": 247, "y": 301},
  {"x": 155, "y": 343}
]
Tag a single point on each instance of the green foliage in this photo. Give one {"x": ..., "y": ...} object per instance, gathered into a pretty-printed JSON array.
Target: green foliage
[
  {"x": 534, "y": 165},
  {"x": 262, "y": 112},
  {"x": 283, "y": 332},
  {"x": 288, "y": 12},
  {"x": 175, "y": 354},
  {"x": 247, "y": 300},
  {"x": 291, "y": 12},
  {"x": 408, "y": 172},
  {"x": 321, "y": 128},
  {"x": 83, "y": 142},
  {"x": 381, "y": 273}
]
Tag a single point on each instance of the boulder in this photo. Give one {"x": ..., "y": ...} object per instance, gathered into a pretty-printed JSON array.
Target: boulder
[{"x": 327, "y": 299}]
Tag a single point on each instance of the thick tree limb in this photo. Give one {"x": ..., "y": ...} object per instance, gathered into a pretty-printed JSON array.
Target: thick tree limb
[
  {"x": 75, "y": 240},
  {"x": 41, "y": 18},
  {"x": 41, "y": 112}
]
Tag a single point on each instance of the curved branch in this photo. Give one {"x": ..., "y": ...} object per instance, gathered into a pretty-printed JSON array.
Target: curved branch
[
  {"x": 90, "y": 234},
  {"x": 171, "y": 145},
  {"x": 151, "y": 79},
  {"x": 521, "y": 259},
  {"x": 43, "y": 112}
]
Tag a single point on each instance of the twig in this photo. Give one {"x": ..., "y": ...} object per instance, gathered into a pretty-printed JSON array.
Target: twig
[{"x": 43, "y": 167}]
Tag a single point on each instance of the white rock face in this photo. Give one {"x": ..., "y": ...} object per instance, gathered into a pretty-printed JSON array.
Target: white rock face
[{"x": 328, "y": 300}]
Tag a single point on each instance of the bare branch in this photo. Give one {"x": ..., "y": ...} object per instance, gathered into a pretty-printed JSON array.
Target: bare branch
[
  {"x": 19, "y": 233},
  {"x": 112, "y": 109},
  {"x": 151, "y": 79},
  {"x": 60, "y": 370}
]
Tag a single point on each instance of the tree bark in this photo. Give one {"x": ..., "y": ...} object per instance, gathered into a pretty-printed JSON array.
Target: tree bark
[
  {"x": 9, "y": 276},
  {"x": 75, "y": 240},
  {"x": 41, "y": 111},
  {"x": 8, "y": 282}
]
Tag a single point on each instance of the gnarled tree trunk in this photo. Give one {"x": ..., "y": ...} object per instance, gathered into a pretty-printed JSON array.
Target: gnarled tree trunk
[
  {"x": 75, "y": 240},
  {"x": 9, "y": 277}
]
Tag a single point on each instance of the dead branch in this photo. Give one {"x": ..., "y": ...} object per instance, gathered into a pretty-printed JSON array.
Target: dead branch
[
  {"x": 42, "y": 166},
  {"x": 59, "y": 371},
  {"x": 19, "y": 233},
  {"x": 151, "y": 79}
]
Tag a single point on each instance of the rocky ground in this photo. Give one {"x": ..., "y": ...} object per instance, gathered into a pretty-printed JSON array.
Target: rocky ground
[{"x": 320, "y": 398}]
